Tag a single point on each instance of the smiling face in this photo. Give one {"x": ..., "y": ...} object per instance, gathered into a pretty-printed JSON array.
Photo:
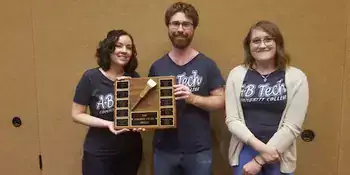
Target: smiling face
[
  {"x": 262, "y": 45},
  {"x": 122, "y": 52},
  {"x": 180, "y": 30}
]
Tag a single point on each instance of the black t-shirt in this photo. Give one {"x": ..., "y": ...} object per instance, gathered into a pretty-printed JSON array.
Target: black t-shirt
[
  {"x": 193, "y": 132},
  {"x": 263, "y": 102},
  {"x": 97, "y": 91}
]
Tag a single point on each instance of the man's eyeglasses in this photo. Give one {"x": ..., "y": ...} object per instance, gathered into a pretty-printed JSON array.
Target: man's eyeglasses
[{"x": 176, "y": 24}]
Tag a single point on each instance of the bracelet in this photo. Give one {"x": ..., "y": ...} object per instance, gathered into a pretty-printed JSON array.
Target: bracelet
[{"x": 257, "y": 161}]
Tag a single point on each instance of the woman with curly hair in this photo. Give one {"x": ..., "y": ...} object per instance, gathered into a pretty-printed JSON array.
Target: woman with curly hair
[{"x": 107, "y": 151}]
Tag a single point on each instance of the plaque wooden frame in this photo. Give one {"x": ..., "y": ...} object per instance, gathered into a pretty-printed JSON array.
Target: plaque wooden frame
[{"x": 156, "y": 110}]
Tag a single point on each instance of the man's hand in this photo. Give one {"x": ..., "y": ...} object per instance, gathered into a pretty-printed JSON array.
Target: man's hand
[{"x": 182, "y": 92}]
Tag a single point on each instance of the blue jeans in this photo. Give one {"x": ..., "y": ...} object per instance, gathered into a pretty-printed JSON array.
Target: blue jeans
[
  {"x": 247, "y": 154},
  {"x": 166, "y": 163}
]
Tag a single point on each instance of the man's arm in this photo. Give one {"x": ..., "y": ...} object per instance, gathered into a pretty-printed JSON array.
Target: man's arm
[{"x": 215, "y": 101}]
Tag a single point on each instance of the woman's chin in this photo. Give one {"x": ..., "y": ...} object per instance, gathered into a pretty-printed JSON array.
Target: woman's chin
[
  {"x": 120, "y": 63},
  {"x": 264, "y": 59}
]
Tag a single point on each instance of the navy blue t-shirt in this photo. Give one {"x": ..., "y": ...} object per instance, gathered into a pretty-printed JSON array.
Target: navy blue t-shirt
[
  {"x": 97, "y": 91},
  {"x": 263, "y": 102},
  {"x": 193, "y": 132}
]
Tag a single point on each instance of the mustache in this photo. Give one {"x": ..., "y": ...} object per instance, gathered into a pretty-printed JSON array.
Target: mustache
[{"x": 180, "y": 35}]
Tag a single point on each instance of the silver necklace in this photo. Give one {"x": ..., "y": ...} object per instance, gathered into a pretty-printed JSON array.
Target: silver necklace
[{"x": 265, "y": 76}]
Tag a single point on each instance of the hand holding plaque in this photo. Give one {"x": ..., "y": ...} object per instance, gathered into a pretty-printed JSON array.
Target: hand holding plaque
[
  {"x": 182, "y": 92},
  {"x": 146, "y": 102}
]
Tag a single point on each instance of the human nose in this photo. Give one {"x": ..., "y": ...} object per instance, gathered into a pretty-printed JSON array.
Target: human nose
[
  {"x": 123, "y": 49},
  {"x": 180, "y": 28},
  {"x": 262, "y": 44}
]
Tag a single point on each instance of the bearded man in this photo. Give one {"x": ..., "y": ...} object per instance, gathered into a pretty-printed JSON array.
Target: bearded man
[{"x": 199, "y": 89}]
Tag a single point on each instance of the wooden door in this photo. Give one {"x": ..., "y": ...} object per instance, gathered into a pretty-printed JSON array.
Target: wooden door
[
  {"x": 19, "y": 138},
  {"x": 315, "y": 38},
  {"x": 66, "y": 36},
  {"x": 344, "y": 145},
  {"x": 60, "y": 54}
]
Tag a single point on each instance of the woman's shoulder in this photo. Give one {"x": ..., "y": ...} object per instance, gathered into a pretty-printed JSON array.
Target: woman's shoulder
[
  {"x": 295, "y": 72},
  {"x": 133, "y": 74},
  {"x": 90, "y": 72},
  {"x": 239, "y": 69}
]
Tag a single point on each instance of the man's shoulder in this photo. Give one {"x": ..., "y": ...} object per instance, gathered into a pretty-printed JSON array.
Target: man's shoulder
[
  {"x": 161, "y": 60},
  {"x": 203, "y": 58}
]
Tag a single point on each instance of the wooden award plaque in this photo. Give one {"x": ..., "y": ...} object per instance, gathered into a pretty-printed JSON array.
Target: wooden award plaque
[{"x": 146, "y": 102}]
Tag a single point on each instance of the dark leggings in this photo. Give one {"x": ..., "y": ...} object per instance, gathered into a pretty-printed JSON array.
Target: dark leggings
[{"x": 121, "y": 164}]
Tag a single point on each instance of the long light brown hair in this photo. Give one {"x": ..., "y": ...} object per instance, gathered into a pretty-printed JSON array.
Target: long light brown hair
[{"x": 282, "y": 59}]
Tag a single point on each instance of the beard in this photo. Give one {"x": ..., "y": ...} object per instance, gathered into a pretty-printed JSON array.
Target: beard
[{"x": 180, "y": 40}]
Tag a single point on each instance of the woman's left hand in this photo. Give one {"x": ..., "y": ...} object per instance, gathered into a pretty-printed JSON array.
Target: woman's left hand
[
  {"x": 251, "y": 168},
  {"x": 138, "y": 129},
  {"x": 123, "y": 78}
]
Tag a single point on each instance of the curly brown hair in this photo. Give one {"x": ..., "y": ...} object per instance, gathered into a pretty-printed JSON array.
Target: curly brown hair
[{"x": 107, "y": 46}]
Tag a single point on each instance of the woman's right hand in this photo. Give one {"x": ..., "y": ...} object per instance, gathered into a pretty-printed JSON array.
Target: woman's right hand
[
  {"x": 111, "y": 128},
  {"x": 270, "y": 155}
]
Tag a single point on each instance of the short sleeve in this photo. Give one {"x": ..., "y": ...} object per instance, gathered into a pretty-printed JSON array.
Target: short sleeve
[
  {"x": 151, "y": 71},
  {"x": 83, "y": 91},
  {"x": 215, "y": 78},
  {"x": 134, "y": 75}
]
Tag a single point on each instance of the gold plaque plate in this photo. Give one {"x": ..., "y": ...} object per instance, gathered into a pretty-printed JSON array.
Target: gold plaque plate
[{"x": 146, "y": 102}]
